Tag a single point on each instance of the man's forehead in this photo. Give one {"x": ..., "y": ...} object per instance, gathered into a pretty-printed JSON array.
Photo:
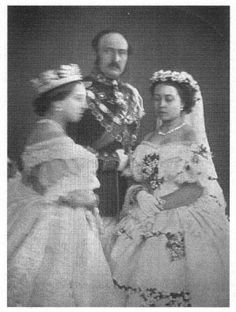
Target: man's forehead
[{"x": 114, "y": 40}]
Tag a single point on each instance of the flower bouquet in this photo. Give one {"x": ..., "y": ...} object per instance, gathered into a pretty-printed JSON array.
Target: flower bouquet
[{"x": 150, "y": 171}]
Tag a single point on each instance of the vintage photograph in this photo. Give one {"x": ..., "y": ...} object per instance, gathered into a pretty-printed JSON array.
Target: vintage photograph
[{"x": 118, "y": 156}]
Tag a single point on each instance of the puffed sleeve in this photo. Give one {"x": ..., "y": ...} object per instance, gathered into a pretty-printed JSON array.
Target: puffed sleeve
[
  {"x": 196, "y": 166},
  {"x": 59, "y": 178}
]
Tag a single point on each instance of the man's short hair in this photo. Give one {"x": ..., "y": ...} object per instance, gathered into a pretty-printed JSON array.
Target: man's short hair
[{"x": 96, "y": 39}]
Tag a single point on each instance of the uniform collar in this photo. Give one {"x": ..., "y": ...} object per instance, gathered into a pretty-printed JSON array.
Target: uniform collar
[{"x": 99, "y": 76}]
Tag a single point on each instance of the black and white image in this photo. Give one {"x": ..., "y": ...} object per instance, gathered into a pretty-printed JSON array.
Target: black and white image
[{"x": 118, "y": 156}]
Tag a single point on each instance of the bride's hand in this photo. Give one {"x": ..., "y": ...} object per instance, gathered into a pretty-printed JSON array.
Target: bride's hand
[{"x": 148, "y": 203}]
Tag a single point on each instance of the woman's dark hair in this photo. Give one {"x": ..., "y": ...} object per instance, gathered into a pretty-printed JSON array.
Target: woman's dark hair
[
  {"x": 186, "y": 93},
  {"x": 96, "y": 39},
  {"x": 43, "y": 103}
]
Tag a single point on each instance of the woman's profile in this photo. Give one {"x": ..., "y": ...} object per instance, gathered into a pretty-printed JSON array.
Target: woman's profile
[
  {"x": 171, "y": 244},
  {"x": 54, "y": 253}
]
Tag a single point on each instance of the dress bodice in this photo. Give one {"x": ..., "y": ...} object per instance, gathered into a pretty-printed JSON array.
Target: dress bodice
[
  {"x": 178, "y": 163},
  {"x": 58, "y": 166}
]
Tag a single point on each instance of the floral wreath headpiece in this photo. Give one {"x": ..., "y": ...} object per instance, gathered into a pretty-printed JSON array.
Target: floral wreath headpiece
[
  {"x": 51, "y": 79},
  {"x": 179, "y": 77}
]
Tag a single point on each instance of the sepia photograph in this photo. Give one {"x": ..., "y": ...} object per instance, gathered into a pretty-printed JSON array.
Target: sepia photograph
[{"x": 118, "y": 155}]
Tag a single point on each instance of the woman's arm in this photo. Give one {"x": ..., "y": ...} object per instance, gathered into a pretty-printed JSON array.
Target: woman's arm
[
  {"x": 186, "y": 195},
  {"x": 81, "y": 198},
  {"x": 74, "y": 190}
]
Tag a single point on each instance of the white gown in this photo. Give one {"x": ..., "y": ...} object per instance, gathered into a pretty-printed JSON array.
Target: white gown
[
  {"x": 55, "y": 256},
  {"x": 178, "y": 257}
]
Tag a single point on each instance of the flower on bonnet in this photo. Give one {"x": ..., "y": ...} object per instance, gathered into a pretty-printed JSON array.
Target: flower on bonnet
[{"x": 51, "y": 79}]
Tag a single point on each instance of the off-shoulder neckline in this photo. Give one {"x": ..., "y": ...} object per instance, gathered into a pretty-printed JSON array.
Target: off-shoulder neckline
[
  {"x": 46, "y": 142},
  {"x": 183, "y": 143},
  {"x": 49, "y": 143}
]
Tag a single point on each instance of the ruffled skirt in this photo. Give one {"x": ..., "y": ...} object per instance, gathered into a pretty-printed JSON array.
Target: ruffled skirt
[
  {"x": 55, "y": 258},
  {"x": 181, "y": 259}
]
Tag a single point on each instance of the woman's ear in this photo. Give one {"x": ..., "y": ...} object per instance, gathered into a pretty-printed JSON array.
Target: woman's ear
[{"x": 57, "y": 106}]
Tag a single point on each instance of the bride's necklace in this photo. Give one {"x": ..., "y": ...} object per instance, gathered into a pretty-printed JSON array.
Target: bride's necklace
[{"x": 171, "y": 130}]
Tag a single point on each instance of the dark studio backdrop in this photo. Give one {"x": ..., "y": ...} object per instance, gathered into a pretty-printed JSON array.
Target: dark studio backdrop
[{"x": 194, "y": 39}]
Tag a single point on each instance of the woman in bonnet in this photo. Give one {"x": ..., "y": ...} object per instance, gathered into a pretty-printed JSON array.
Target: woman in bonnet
[
  {"x": 54, "y": 253},
  {"x": 171, "y": 244}
]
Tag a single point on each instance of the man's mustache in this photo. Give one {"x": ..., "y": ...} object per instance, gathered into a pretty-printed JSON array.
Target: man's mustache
[{"x": 114, "y": 65}]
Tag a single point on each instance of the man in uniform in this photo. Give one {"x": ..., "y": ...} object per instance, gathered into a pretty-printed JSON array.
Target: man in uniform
[{"x": 111, "y": 123}]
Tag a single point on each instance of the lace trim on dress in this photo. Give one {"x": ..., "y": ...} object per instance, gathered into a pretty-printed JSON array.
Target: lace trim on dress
[
  {"x": 58, "y": 148},
  {"x": 151, "y": 297},
  {"x": 178, "y": 162},
  {"x": 175, "y": 241}
]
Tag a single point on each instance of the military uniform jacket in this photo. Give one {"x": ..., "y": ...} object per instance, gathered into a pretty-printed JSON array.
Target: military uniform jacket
[{"x": 111, "y": 122}]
